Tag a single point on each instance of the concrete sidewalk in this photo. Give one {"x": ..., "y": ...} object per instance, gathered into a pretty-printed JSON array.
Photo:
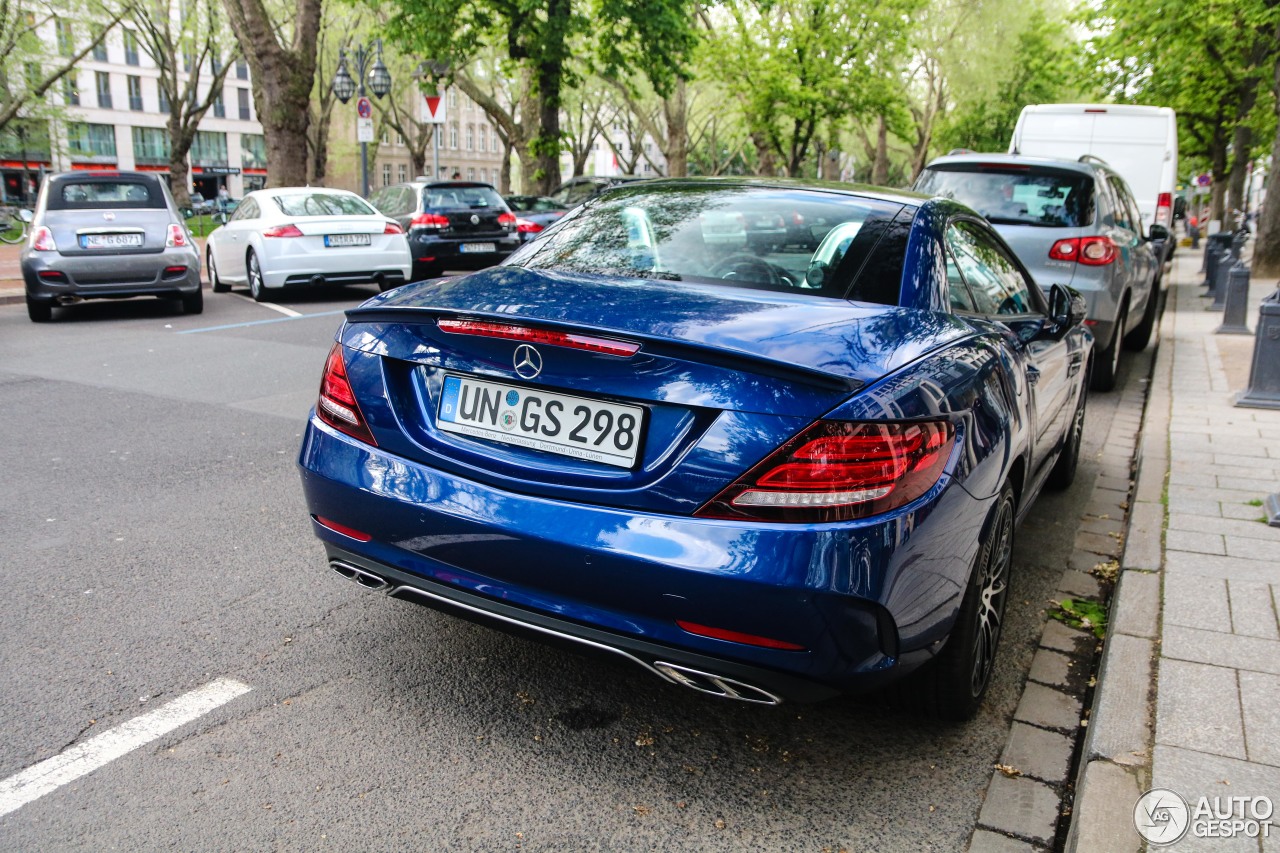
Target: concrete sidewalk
[{"x": 1188, "y": 697}]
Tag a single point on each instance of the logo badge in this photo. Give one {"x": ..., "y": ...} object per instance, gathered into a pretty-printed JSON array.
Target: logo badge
[
  {"x": 475, "y": 220},
  {"x": 1161, "y": 817},
  {"x": 527, "y": 361},
  {"x": 109, "y": 216}
]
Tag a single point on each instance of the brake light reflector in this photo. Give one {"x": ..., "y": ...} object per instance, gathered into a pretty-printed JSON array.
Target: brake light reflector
[
  {"x": 1164, "y": 209},
  {"x": 337, "y": 405},
  {"x": 507, "y": 220},
  {"x": 177, "y": 237},
  {"x": 42, "y": 240},
  {"x": 429, "y": 220},
  {"x": 1090, "y": 251},
  {"x": 358, "y": 535},
  {"x": 738, "y": 637},
  {"x": 289, "y": 230},
  {"x": 506, "y": 331},
  {"x": 840, "y": 470},
  {"x": 392, "y": 228},
  {"x": 524, "y": 226}
]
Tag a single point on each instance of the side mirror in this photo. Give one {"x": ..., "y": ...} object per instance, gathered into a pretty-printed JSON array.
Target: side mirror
[
  {"x": 1158, "y": 232},
  {"x": 25, "y": 215},
  {"x": 1067, "y": 309}
]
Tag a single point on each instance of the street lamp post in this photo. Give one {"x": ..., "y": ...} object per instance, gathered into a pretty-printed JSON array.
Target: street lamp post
[{"x": 379, "y": 83}]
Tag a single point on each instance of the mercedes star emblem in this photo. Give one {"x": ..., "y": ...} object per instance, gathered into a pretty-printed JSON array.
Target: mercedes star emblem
[
  {"x": 528, "y": 361},
  {"x": 475, "y": 220}
]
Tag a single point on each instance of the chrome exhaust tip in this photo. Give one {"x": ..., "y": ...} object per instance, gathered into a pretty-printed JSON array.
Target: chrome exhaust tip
[
  {"x": 317, "y": 281},
  {"x": 715, "y": 685},
  {"x": 68, "y": 299},
  {"x": 366, "y": 579}
]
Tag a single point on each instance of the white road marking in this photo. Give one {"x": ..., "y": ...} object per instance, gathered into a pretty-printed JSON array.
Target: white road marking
[
  {"x": 288, "y": 312},
  {"x": 84, "y": 758}
]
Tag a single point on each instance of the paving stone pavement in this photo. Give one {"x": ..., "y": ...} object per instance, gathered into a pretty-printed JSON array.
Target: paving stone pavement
[{"x": 1188, "y": 694}]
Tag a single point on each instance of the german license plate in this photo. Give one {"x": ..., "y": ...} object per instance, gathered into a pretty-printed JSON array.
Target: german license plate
[
  {"x": 334, "y": 241},
  {"x": 472, "y": 248},
  {"x": 110, "y": 241},
  {"x": 608, "y": 433}
]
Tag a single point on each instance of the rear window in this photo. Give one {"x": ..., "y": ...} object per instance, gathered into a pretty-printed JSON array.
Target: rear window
[
  {"x": 477, "y": 197},
  {"x": 322, "y": 204},
  {"x": 105, "y": 194},
  {"x": 783, "y": 240},
  {"x": 1015, "y": 195}
]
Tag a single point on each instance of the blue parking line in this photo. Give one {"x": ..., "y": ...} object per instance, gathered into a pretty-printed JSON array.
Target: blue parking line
[{"x": 260, "y": 322}]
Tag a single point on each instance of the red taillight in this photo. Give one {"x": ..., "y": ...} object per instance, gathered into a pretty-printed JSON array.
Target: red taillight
[
  {"x": 429, "y": 220},
  {"x": 838, "y": 470},
  {"x": 42, "y": 240},
  {"x": 170, "y": 272},
  {"x": 358, "y": 535},
  {"x": 337, "y": 405},
  {"x": 524, "y": 226},
  {"x": 1164, "y": 209},
  {"x": 796, "y": 218},
  {"x": 738, "y": 637},
  {"x": 506, "y": 331},
  {"x": 1090, "y": 251},
  {"x": 507, "y": 220},
  {"x": 289, "y": 230},
  {"x": 392, "y": 228},
  {"x": 177, "y": 237}
]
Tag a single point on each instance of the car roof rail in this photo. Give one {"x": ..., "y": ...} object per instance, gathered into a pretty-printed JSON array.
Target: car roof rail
[{"x": 1093, "y": 158}]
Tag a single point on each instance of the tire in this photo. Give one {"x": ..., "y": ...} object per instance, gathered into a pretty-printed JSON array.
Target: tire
[
  {"x": 39, "y": 312},
  {"x": 256, "y": 286},
  {"x": 421, "y": 272},
  {"x": 1107, "y": 363},
  {"x": 1137, "y": 340},
  {"x": 193, "y": 303},
  {"x": 1064, "y": 470},
  {"x": 214, "y": 282},
  {"x": 952, "y": 685}
]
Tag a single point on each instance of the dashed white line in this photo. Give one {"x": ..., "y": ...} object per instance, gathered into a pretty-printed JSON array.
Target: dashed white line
[
  {"x": 288, "y": 312},
  {"x": 84, "y": 758}
]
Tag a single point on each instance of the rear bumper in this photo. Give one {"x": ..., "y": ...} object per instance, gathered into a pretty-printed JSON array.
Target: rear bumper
[
  {"x": 867, "y": 601},
  {"x": 50, "y": 277},
  {"x": 447, "y": 253}
]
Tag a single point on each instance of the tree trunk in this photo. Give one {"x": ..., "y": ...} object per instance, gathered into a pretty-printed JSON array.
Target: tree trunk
[
  {"x": 766, "y": 163},
  {"x": 880, "y": 168},
  {"x": 282, "y": 82},
  {"x": 675, "y": 110},
  {"x": 179, "y": 148},
  {"x": 546, "y": 147},
  {"x": 1266, "y": 252},
  {"x": 1218, "y": 169},
  {"x": 504, "y": 176}
]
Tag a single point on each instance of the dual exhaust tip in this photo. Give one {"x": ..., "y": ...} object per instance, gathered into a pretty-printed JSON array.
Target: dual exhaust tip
[{"x": 703, "y": 682}]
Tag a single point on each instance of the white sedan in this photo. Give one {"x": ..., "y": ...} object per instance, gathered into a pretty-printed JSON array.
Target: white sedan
[{"x": 293, "y": 236}]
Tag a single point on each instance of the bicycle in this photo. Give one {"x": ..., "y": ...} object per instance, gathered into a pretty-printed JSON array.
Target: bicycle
[{"x": 13, "y": 228}]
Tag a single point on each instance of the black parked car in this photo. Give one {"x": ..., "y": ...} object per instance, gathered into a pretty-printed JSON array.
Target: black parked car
[
  {"x": 583, "y": 188},
  {"x": 451, "y": 225},
  {"x": 534, "y": 214}
]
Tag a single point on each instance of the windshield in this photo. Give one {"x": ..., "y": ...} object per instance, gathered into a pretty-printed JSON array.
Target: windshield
[
  {"x": 1015, "y": 194},
  {"x": 785, "y": 240},
  {"x": 322, "y": 204}
]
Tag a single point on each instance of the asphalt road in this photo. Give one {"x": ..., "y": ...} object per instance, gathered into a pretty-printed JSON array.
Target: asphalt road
[{"x": 153, "y": 539}]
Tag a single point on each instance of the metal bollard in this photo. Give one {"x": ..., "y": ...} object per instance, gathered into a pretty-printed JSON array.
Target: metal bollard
[
  {"x": 1220, "y": 273},
  {"x": 1237, "y": 302},
  {"x": 1238, "y": 239},
  {"x": 1264, "y": 375},
  {"x": 1217, "y": 244}
]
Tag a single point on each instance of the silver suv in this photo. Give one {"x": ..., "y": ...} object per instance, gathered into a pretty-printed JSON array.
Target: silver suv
[{"x": 1070, "y": 222}]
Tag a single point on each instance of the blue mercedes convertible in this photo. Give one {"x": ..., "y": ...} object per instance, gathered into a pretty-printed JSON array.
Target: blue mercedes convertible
[{"x": 762, "y": 462}]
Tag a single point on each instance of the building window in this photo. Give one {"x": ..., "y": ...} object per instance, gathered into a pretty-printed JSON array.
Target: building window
[
  {"x": 385, "y": 137},
  {"x": 453, "y": 98},
  {"x": 33, "y": 74},
  {"x": 386, "y": 174},
  {"x": 164, "y": 98},
  {"x": 484, "y": 137},
  {"x": 219, "y": 107},
  {"x": 471, "y": 173},
  {"x": 100, "y": 50},
  {"x": 70, "y": 92},
  {"x": 209, "y": 149},
  {"x": 66, "y": 39},
  {"x": 91, "y": 140},
  {"x": 471, "y": 137},
  {"x": 104, "y": 89},
  {"x": 188, "y": 57},
  {"x": 135, "y": 92},
  {"x": 131, "y": 48},
  {"x": 242, "y": 96},
  {"x": 253, "y": 151},
  {"x": 242, "y": 70},
  {"x": 151, "y": 146},
  {"x": 453, "y": 137},
  {"x": 484, "y": 175},
  {"x": 402, "y": 171},
  {"x": 215, "y": 63},
  {"x": 399, "y": 139}
]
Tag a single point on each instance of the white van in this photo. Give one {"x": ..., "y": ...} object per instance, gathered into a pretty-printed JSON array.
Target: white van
[{"x": 1141, "y": 143}]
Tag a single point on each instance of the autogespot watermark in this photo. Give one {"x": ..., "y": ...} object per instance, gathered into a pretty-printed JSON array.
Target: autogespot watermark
[{"x": 1163, "y": 817}]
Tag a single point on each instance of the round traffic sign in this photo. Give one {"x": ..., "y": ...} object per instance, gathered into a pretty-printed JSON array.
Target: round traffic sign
[{"x": 364, "y": 108}]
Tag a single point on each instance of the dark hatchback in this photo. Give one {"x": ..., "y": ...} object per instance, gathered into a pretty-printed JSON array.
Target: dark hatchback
[{"x": 451, "y": 225}]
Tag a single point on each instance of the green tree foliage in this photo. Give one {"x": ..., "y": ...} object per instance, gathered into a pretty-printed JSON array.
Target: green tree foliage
[
  {"x": 650, "y": 36},
  {"x": 794, "y": 65}
]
